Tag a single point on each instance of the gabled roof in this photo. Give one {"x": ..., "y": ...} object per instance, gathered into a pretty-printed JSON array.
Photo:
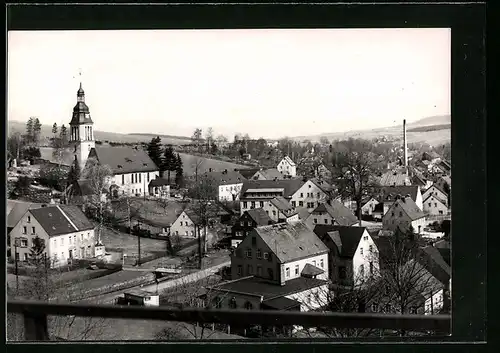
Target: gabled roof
[
  {"x": 18, "y": 210},
  {"x": 290, "y": 186},
  {"x": 281, "y": 204},
  {"x": 341, "y": 214},
  {"x": 226, "y": 178},
  {"x": 193, "y": 216},
  {"x": 394, "y": 178},
  {"x": 291, "y": 241},
  {"x": 61, "y": 219},
  {"x": 123, "y": 160},
  {"x": 303, "y": 213},
  {"x": 247, "y": 173},
  {"x": 311, "y": 270},
  {"x": 322, "y": 185},
  {"x": 433, "y": 262},
  {"x": 289, "y": 160},
  {"x": 389, "y": 193},
  {"x": 435, "y": 185},
  {"x": 271, "y": 174},
  {"x": 435, "y": 198},
  {"x": 259, "y": 216},
  {"x": 158, "y": 182},
  {"x": 349, "y": 236},
  {"x": 409, "y": 207}
]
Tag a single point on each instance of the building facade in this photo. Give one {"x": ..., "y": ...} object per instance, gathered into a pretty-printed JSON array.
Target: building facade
[
  {"x": 287, "y": 167},
  {"x": 81, "y": 132},
  {"x": 404, "y": 213},
  {"x": 311, "y": 194}
]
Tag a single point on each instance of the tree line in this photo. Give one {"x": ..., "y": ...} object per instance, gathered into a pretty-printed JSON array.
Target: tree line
[{"x": 166, "y": 159}]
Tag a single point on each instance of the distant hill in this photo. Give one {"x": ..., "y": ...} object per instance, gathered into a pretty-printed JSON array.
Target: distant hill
[
  {"x": 18, "y": 126},
  {"x": 162, "y": 136},
  {"x": 432, "y": 120}
]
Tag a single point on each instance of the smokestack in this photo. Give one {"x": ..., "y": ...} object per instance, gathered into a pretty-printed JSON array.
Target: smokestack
[{"x": 405, "y": 146}]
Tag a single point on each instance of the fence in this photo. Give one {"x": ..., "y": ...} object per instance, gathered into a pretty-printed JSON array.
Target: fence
[{"x": 35, "y": 317}]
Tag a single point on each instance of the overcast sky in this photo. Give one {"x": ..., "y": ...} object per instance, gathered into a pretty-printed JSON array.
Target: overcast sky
[{"x": 267, "y": 83}]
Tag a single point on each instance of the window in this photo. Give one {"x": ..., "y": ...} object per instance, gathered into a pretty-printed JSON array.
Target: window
[
  {"x": 29, "y": 219},
  {"x": 248, "y": 306},
  {"x": 266, "y": 255},
  {"x": 248, "y": 253},
  {"x": 123, "y": 179},
  {"x": 232, "y": 303},
  {"x": 365, "y": 237},
  {"x": 69, "y": 239},
  {"x": 270, "y": 273},
  {"x": 274, "y": 213},
  {"x": 287, "y": 272},
  {"x": 371, "y": 267},
  {"x": 25, "y": 230},
  {"x": 294, "y": 204},
  {"x": 435, "y": 204},
  {"x": 25, "y": 256},
  {"x": 181, "y": 223},
  {"x": 315, "y": 220},
  {"x": 147, "y": 174},
  {"x": 259, "y": 271},
  {"x": 318, "y": 195},
  {"x": 440, "y": 212},
  {"x": 24, "y": 243},
  {"x": 308, "y": 194},
  {"x": 322, "y": 263},
  {"x": 361, "y": 269},
  {"x": 245, "y": 204},
  {"x": 342, "y": 272},
  {"x": 259, "y": 254},
  {"x": 361, "y": 251},
  {"x": 249, "y": 270},
  {"x": 33, "y": 230},
  {"x": 240, "y": 270},
  {"x": 374, "y": 307},
  {"x": 400, "y": 214},
  {"x": 301, "y": 203},
  {"x": 252, "y": 204},
  {"x": 429, "y": 204},
  {"x": 301, "y": 194},
  {"x": 296, "y": 269},
  {"x": 393, "y": 213},
  {"x": 254, "y": 241},
  {"x": 261, "y": 203}
]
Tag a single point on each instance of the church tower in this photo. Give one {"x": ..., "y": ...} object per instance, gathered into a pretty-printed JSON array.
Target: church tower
[{"x": 81, "y": 130}]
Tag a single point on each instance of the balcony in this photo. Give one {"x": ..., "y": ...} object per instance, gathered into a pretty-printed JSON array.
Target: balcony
[{"x": 36, "y": 328}]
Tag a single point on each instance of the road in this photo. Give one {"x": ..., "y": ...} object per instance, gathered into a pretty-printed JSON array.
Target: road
[{"x": 110, "y": 298}]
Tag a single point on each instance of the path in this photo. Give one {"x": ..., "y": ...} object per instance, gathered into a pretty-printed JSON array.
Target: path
[{"x": 110, "y": 298}]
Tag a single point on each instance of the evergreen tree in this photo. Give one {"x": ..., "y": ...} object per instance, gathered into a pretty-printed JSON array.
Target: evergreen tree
[
  {"x": 37, "y": 129},
  {"x": 169, "y": 161},
  {"x": 154, "y": 151},
  {"x": 37, "y": 251},
  {"x": 54, "y": 129},
  {"x": 63, "y": 135},
  {"x": 179, "y": 172},
  {"x": 29, "y": 130}
]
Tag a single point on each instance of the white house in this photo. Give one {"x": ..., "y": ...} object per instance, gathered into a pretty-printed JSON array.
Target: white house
[
  {"x": 186, "y": 225},
  {"x": 391, "y": 193},
  {"x": 312, "y": 194},
  {"x": 65, "y": 231},
  {"x": 229, "y": 184},
  {"x": 278, "y": 267},
  {"x": 368, "y": 206},
  {"x": 333, "y": 212},
  {"x": 436, "y": 191},
  {"x": 159, "y": 188},
  {"x": 287, "y": 167},
  {"x": 433, "y": 205},
  {"x": 404, "y": 213},
  {"x": 354, "y": 255}
]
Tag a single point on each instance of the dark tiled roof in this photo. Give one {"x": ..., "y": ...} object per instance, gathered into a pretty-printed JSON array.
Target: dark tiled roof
[
  {"x": 259, "y": 216},
  {"x": 281, "y": 204},
  {"x": 409, "y": 207},
  {"x": 389, "y": 193},
  {"x": 311, "y": 270},
  {"x": 226, "y": 178},
  {"x": 431, "y": 259},
  {"x": 446, "y": 255},
  {"x": 303, "y": 213},
  {"x": 349, "y": 236},
  {"x": 438, "y": 187},
  {"x": 271, "y": 174},
  {"x": 280, "y": 303},
  {"x": 341, "y": 214},
  {"x": 290, "y": 186},
  {"x": 394, "y": 178},
  {"x": 291, "y": 241},
  {"x": 322, "y": 185},
  {"x": 53, "y": 219},
  {"x": 268, "y": 291},
  {"x": 124, "y": 160},
  {"x": 18, "y": 210},
  {"x": 158, "y": 182},
  {"x": 247, "y": 173}
]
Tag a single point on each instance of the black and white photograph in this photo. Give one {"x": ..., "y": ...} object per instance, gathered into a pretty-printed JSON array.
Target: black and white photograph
[{"x": 217, "y": 184}]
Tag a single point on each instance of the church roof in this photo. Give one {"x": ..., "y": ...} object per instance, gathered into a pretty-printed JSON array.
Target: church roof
[
  {"x": 123, "y": 160},
  {"x": 81, "y": 111}
]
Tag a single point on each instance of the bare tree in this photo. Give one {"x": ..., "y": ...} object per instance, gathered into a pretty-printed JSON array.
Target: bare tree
[
  {"x": 97, "y": 176},
  {"x": 197, "y": 137}
]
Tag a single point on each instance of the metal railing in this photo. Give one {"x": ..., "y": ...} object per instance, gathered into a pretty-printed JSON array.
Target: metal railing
[{"x": 35, "y": 317}]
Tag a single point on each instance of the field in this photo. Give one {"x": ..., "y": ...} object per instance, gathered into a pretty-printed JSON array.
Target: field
[
  {"x": 151, "y": 210},
  {"x": 115, "y": 241},
  {"x": 189, "y": 164}
]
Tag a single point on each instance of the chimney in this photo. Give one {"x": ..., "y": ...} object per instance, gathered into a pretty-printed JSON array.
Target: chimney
[{"x": 405, "y": 147}]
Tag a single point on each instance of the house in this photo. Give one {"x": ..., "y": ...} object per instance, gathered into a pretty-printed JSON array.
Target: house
[
  {"x": 65, "y": 230},
  {"x": 247, "y": 173},
  {"x": 187, "y": 224},
  {"x": 378, "y": 212},
  {"x": 368, "y": 205},
  {"x": 434, "y": 205},
  {"x": 312, "y": 193},
  {"x": 229, "y": 184},
  {"x": 395, "y": 178},
  {"x": 259, "y": 193},
  {"x": 287, "y": 167},
  {"x": 249, "y": 220},
  {"x": 404, "y": 213},
  {"x": 277, "y": 267},
  {"x": 15, "y": 211},
  {"x": 444, "y": 183},
  {"x": 268, "y": 174},
  {"x": 132, "y": 169},
  {"x": 159, "y": 187},
  {"x": 333, "y": 213},
  {"x": 323, "y": 173},
  {"x": 353, "y": 257},
  {"x": 430, "y": 156},
  {"x": 444, "y": 166},
  {"x": 436, "y": 191},
  {"x": 390, "y": 193}
]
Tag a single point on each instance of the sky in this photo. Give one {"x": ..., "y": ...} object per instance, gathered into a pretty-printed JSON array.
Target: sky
[{"x": 267, "y": 83}]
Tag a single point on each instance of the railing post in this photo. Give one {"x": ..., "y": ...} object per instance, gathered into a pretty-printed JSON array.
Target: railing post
[{"x": 35, "y": 327}]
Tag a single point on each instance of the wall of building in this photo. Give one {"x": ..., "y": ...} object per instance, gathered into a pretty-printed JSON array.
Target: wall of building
[
  {"x": 184, "y": 226},
  {"x": 286, "y": 169},
  {"x": 319, "y": 218},
  {"x": 311, "y": 299},
  {"x": 368, "y": 208},
  {"x": 26, "y": 239},
  {"x": 264, "y": 203},
  {"x": 434, "y": 304},
  {"x": 310, "y": 194},
  {"x": 366, "y": 253},
  {"x": 393, "y": 218},
  {"x": 133, "y": 183},
  {"x": 295, "y": 267},
  {"x": 436, "y": 193},
  {"x": 434, "y": 206},
  {"x": 226, "y": 192},
  {"x": 224, "y": 300}
]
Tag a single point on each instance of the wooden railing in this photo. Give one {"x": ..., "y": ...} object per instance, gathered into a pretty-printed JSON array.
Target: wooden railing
[{"x": 35, "y": 317}]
